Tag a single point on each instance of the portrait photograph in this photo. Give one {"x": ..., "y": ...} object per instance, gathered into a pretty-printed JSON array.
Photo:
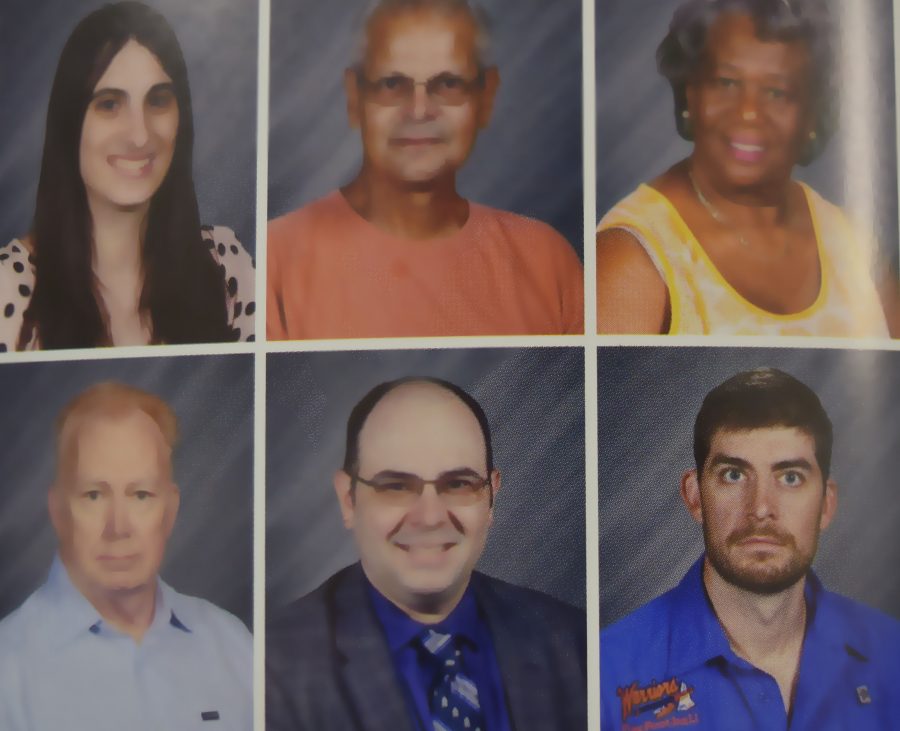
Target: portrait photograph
[
  {"x": 210, "y": 551},
  {"x": 129, "y": 173},
  {"x": 746, "y": 501},
  {"x": 534, "y": 135},
  {"x": 533, "y": 399},
  {"x": 433, "y": 146},
  {"x": 746, "y": 168},
  {"x": 427, "y": 508},
  {"x": 648, "y": 399}
]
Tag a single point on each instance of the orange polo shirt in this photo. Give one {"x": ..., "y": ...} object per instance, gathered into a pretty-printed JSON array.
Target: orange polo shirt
[{"x": 332, "y": 274}]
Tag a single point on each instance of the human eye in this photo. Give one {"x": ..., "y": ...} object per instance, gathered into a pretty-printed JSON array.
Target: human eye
[
  {"x": 725, "y": 82},
  {"x": 460, "y": 483},
  {"x": 143, "y": 495},
  {"x": 393, "y": 484},
  {"x": 448, "y": 82},
  {"x": 792, "y": 478},
  {"x": 731, "y": 475},
  {"x": 395, "y": 82},
  {"x": 107, "y": 104},
  {"x": 161, "y": 98}
]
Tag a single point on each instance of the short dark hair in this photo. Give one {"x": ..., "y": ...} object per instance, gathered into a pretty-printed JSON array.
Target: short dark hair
[
  {"x": 367, "y": 403},
  {"x": 761, "y": 398},
  {"x": 776, "y": 20}
]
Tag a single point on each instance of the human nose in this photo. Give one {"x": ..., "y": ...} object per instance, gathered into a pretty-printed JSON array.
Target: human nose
[
  {"x": 118, "y": 521},
  {"x": 421, "y": 103},
  {"x": 763, "y": 499},
  {"x": 749, "y": 104},
  {"x": 138, "y": 129},
  {"x": 429, "y": 508}
]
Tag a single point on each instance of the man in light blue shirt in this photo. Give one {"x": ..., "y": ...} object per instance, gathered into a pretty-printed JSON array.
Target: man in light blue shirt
[
  {"x": 104, "y": 644},
  {"x": 750, "y": 639}
]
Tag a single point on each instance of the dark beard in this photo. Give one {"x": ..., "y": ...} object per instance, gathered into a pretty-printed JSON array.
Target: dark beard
[{"x": 759, "y": 580}]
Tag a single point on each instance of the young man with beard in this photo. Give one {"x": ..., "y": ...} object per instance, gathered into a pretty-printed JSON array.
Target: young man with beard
[{"x": 750, "y": 639}]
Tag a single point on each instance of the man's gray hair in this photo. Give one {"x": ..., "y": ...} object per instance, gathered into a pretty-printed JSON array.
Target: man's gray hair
[{"x": 475, "y": 10}]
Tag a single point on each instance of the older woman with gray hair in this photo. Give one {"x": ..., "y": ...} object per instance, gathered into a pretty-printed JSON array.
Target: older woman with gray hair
[{"x": 726, "y": 242}]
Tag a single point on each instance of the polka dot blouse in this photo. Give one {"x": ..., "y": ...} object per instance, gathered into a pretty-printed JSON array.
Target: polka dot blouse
[{"x": 17, "y": 283}]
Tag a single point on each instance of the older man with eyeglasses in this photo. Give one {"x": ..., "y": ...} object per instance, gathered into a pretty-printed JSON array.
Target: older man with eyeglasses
[
  {"x": 411, "y": 637},
  {"x": 398, "y": 252}
]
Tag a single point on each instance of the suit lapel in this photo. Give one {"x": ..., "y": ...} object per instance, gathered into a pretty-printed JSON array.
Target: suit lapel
[
  {"x": 368, "y": 670},
  {"x": 527, "y": 680}
]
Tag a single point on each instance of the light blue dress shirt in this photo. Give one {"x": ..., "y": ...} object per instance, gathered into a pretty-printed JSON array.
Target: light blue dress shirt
[
  {"x": 669, "y": 665},
  {"x": 62, "y": 668}
]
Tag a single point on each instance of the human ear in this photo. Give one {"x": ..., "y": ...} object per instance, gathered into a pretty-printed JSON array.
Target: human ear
[
  {"x": 486, "y": 96},
  {"x": 343, "y": 489},
  {"x": 690, "y": 493},
  {"x": 494, "y": 484},
  {"x": 54, "y": 507},
  {"x": 351, "y": 89},
  {"x": 829, "y": 504},
  {"x": 173, "y": 503}
]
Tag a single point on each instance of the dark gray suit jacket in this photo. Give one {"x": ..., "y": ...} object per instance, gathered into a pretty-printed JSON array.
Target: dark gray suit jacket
[{"x": 327, "y": 659}]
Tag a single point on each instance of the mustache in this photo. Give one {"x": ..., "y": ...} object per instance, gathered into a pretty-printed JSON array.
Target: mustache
[{"x": 761, "y": 531}]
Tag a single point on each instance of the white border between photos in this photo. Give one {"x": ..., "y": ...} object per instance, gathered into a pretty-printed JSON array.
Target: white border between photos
[
  {"x": 591, "y": 505},
  {"x": 259, "y": 373}
]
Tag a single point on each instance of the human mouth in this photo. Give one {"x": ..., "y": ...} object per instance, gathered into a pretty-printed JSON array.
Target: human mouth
[
  {"x": 117, "y": 563},
  {"x": 416, "y": 141},
  {"x": 746, "y": 151},
  {"x": 426, "y": 554},
  {"x": 134, "y": 167}
]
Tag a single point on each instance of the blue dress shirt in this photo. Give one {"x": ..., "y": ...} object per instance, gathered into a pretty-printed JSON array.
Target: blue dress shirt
[
  {"x": 62, "y": 668},
  {"x": 669, "y": 665},
  {"x": 416, "y": 671}
]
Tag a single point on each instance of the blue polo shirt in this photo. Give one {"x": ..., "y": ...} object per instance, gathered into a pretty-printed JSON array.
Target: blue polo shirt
[
  {"x": 62, "y": 667},
  {"x": 416, "y": 671},
  {"x": 669, "y": 665}
]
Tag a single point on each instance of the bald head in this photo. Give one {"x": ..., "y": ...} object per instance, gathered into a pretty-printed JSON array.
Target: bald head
[
  {"x": 418, "y": 420},
  {"x": 424, "y": 403}
]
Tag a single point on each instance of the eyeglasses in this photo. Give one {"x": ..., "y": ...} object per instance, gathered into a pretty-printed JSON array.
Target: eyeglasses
[
  {"x": 396, "y": 90},
  {"x": 455, "y": 489}
]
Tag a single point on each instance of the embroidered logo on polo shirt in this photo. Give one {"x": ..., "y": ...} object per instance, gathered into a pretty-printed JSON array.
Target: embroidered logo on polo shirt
[{"x": 668, "y": 704}]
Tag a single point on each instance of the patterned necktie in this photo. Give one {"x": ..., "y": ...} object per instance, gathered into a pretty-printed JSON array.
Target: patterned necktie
[{"x": 454, "y": 697}]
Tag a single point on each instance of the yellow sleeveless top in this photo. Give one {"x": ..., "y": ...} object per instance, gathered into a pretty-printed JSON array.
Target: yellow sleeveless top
[{"x": 704, "y": 303}]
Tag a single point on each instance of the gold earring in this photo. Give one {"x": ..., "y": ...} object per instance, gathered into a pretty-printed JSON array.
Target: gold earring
[{"x": 812, "y": 135}]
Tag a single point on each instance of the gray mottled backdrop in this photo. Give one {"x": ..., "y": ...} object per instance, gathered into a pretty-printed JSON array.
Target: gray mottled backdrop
[
  {"x": 210, "y": 553},
  {"x": 528, "y": 160},
  {"x": 648, "y": 398},
  {"x": 534, "y": 400},
  {"x": 636, "y": 125},
  {"x": 219, "y": 41}
]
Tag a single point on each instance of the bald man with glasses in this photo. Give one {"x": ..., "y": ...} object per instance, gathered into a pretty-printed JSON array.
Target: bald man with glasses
[{"x": 411, "y": 638}]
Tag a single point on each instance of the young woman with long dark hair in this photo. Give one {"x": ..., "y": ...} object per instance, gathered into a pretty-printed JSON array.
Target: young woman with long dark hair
[{"x": 116, "y": 254}]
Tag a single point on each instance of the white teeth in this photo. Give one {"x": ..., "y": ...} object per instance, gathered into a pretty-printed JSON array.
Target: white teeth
[
  {"x": 746, "y": 148},
  {"x": 132, "y": 165}
]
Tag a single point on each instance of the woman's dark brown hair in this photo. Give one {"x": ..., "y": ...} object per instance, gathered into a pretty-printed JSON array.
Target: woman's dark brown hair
[{"x": 184, "y": 288}]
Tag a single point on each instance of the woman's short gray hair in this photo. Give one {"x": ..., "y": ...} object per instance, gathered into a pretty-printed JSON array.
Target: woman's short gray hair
[
  {"x": 776, "y": 20},
  {"x": 475, "y": 10}
]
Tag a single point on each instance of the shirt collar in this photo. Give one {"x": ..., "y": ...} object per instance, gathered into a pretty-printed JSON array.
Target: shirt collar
[
  {"x": 401, "y": 629},
  {"x": 697, "y": 636},
  {"x": 73, "y": 614}
]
